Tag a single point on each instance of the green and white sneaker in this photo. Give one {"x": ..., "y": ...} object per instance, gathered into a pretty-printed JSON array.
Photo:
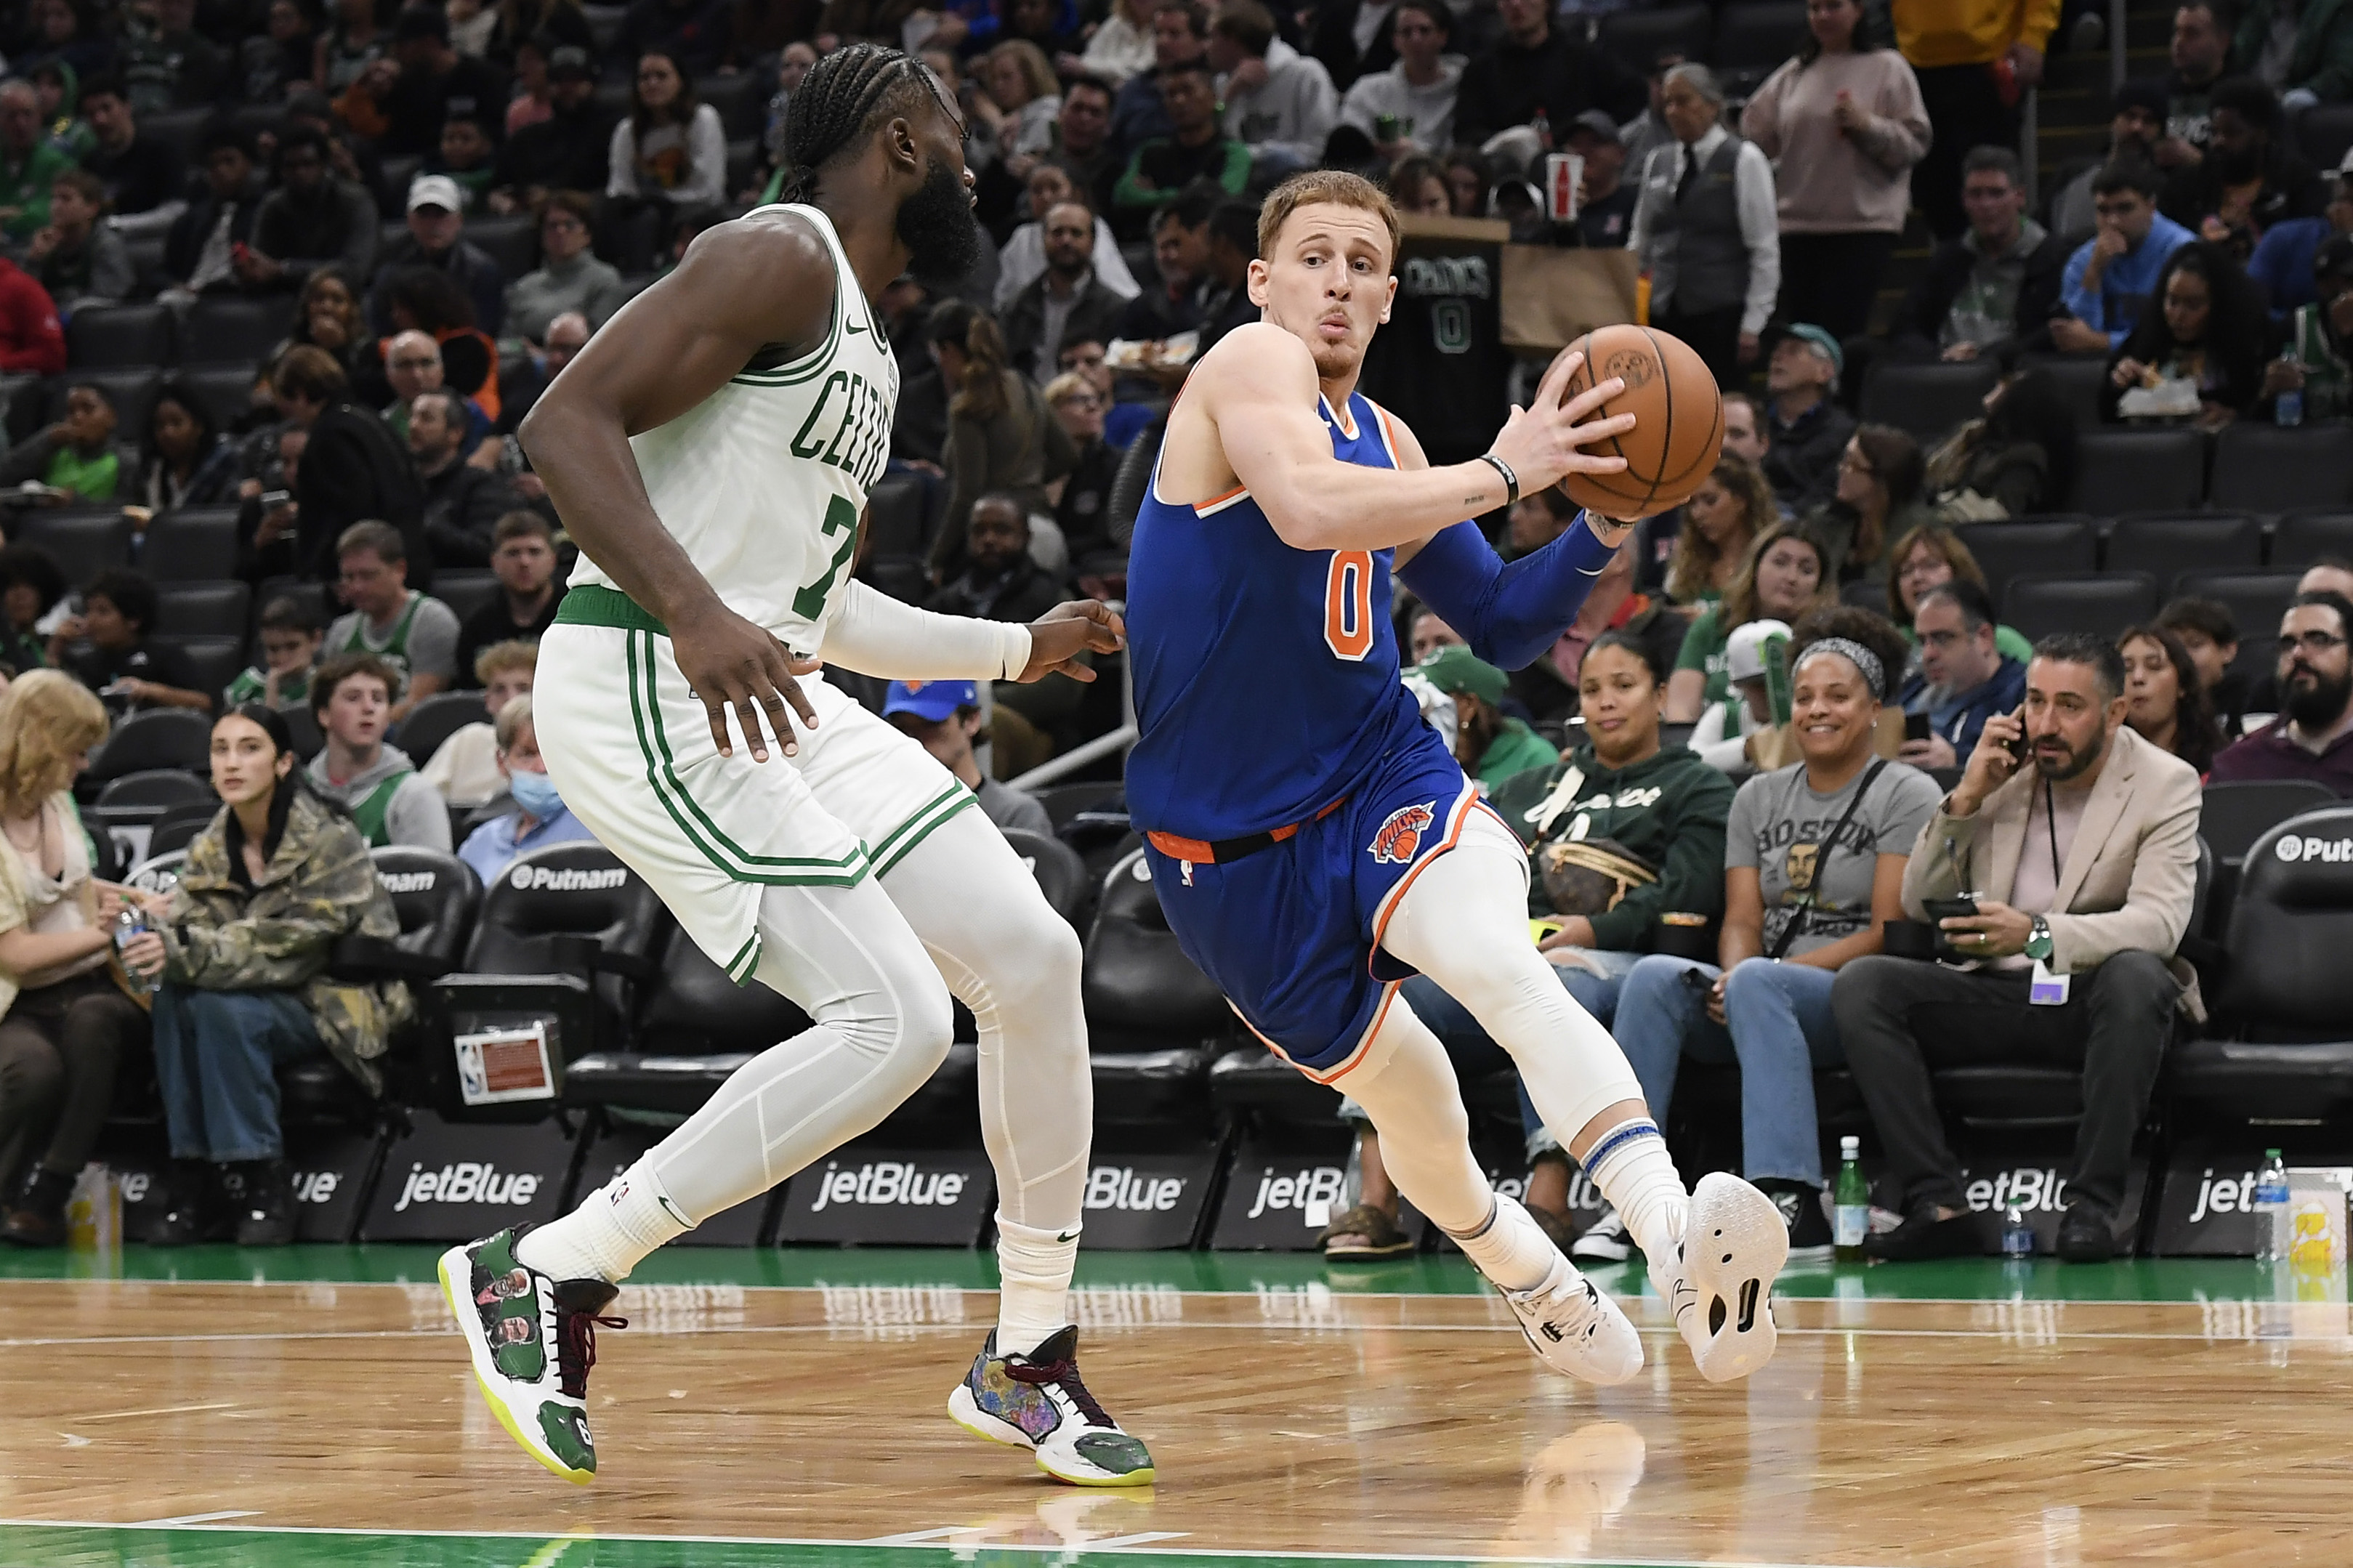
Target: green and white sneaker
[
  {"x": 1037, "y": 1402},
  {"x": 532, "y": 1339}
]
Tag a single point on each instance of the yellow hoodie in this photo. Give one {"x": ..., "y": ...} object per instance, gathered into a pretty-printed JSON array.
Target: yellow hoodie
[{"x": 1969, "y": 32}]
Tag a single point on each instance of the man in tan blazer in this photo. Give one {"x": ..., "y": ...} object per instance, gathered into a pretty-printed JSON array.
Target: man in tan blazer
[{"x": 2083, "y": 867}]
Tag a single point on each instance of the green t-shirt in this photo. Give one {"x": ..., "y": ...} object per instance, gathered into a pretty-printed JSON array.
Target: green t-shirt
[
  {"x": 92, "y": 478},
  {"x": 1515, "y": 750},
  {"x": 1706, "y": 648},
  {"x": 293, "y": 691},
  {"x": 26, "y": 187}
]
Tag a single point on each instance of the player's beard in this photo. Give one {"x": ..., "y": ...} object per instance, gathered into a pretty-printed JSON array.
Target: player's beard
[{"x": 936, "y": 226}]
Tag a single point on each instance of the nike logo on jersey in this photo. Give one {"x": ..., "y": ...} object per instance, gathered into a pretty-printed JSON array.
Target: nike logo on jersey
[{"x": 856, "y": 327}]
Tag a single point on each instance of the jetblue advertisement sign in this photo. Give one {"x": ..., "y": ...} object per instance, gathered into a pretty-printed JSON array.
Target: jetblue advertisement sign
[
  {"x": 1146, "y": 1202},
  {"x": 618, "y": 1148},
  {"x": 889, "y": 1197},
  {"x": 329, "y": 1173},
  {"x": 2208, "y": 1207},
  {"x": 2041, "y": 1193},
  {"x": 1281, "y": 1202},
  {"x": 447, "y": 1181}
]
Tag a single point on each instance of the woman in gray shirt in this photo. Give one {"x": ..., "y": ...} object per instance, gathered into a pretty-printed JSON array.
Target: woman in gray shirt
[{"x": 1814, "y": 856}]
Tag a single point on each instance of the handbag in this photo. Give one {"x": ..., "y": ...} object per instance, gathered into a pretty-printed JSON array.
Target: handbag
[{"x": 1590, "y": 876}]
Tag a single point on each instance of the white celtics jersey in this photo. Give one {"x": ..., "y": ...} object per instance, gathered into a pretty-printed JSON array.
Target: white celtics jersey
[{"x": 763, "y": 481}]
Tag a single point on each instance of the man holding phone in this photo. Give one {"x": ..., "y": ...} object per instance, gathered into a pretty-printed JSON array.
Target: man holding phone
[{"x": 2080, "y": 858}]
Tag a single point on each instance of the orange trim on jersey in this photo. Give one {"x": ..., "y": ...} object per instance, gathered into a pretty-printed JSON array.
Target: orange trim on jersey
[
  {"x": 1388, "y": 433},
  {"x": 1219, "y": 503},
  {"x": 1355, "y": 1056},
  {"x": 1340, "y": 415}
]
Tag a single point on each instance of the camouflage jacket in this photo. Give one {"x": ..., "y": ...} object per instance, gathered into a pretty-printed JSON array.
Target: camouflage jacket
[{"x": 320, "y": 885}]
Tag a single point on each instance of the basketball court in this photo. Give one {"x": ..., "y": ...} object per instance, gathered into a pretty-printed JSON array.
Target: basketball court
[{"x": 777, "y": 1409}]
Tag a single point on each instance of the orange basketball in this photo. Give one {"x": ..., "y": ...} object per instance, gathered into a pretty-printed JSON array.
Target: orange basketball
[{"x": 1678, "y": 420}]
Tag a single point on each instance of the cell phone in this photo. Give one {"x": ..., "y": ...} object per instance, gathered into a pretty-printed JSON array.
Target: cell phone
[
  {"x": 1695, "y": 981},
  {"x": 272, "y": 500},
  {"x": 2016, "y": 745},
  {"x": 1941, "y": 910},
  {"x": 1916, "y": 727}
]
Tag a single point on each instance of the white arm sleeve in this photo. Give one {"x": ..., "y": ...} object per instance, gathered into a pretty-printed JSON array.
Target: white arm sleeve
[{"x": 876, "y": 635}]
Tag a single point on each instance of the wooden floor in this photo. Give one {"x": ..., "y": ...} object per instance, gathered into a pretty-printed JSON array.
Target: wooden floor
[{"x": 1299, "y": 1422}]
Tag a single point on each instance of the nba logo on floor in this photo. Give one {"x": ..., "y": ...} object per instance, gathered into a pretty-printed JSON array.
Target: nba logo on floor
[{"x": 1400, "y": 839}]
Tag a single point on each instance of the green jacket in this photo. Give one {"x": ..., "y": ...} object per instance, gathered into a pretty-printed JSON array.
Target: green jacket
[
  {"x": 320, "y": 885},
  {"x": 1515, "y": 750},
  {"x": 1668, "y": 808},
  {"x": 2322, "y": 60},
  {"x": 25, "y": 187}
]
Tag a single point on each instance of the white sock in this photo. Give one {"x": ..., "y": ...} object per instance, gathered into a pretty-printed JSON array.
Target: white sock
[
  {"x": 1631, "y": 1164},
  {"x": 1033, "y": 1268},
  {"x": 604, "y": 1238},
  {"x": 1511, "y": 1248}
]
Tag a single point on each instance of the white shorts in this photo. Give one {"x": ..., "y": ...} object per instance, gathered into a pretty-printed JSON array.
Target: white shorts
[{"x": 630, "y": 749}]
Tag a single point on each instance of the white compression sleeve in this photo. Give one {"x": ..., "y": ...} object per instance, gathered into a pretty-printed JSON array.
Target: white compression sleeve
[{"x": 876, "y": 635}]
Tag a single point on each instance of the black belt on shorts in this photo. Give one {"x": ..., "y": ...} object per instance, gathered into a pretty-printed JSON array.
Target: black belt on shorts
[{"x": 1225, "y": 851}]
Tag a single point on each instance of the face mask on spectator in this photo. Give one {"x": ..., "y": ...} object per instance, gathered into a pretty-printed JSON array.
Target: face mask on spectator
[{"x": 536, "y": 794}]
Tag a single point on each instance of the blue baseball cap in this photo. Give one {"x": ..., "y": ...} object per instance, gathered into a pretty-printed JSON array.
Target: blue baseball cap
[{"x": 932, "y": 699}]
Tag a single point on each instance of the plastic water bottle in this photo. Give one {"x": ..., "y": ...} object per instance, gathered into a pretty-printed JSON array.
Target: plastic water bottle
[
  {"x": 2017, "y": 1235},
  {"x": 128, "y": 926},
  {"x": 1851, "y": 1220},
  {"x": 2287, "y": 410},
  {"x": 2271, "y": 1207}
]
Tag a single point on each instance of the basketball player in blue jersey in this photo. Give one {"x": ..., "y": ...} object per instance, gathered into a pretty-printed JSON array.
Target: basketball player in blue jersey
[{"x": 1314, "y": 842}]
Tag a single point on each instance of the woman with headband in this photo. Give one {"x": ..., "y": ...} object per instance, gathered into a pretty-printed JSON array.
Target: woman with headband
[{"x": 1814, "y": 856}]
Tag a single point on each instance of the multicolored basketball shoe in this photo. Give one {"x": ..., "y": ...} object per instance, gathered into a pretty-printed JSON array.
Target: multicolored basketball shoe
[
  {"x": 532, "y": 1339},
  {"x": 1037, "y": 1402}
]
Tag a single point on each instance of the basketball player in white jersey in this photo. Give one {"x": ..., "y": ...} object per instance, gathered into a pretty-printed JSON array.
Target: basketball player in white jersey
[{"x": 711, "y": 452}]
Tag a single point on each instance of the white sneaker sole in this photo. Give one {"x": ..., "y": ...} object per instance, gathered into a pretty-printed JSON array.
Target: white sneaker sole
[
  {"x": 486, "y": 1371},
  {"x": 1068, "y": 1468},
  {"x": 1733, "y": 1244},
  {"x": 1600, "y": 1250}
]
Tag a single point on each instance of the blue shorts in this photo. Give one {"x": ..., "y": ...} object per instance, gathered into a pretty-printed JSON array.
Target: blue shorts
[{"x": 1292, "y": 934}]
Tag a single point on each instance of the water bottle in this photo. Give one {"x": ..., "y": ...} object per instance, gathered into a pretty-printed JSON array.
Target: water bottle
[
  {"x": 2017, "y": 1235},
  {"x": 2287, "y": 410},
  {"x": 2271, "y": 1207},
  {"x": 128, "y": 926},
  {"x": 1853, "y": 1207}
]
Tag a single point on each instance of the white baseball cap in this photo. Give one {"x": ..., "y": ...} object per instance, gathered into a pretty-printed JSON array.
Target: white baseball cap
[
  {"x": 1744, "y": 651},
  {"x": 436, "y": 191}
]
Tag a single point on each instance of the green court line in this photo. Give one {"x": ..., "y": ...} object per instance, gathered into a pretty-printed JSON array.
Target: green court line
[
  {"x": 83, "y": 1545},
  {"x": 2163, "y": 1280}
]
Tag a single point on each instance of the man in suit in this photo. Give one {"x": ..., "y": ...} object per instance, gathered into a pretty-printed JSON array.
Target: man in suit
[{"x": 2083, "y": 867}]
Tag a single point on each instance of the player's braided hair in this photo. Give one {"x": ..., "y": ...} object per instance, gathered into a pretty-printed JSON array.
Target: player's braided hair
[{"x": 839, "y": 99}]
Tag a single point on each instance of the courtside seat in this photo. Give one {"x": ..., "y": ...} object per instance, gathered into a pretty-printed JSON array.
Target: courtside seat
[
  {"x": 1154, "y": 1021},
  {"x": 2284, "y": 1022},
  {"x": 434, "y": 897},
  {"x": 1253, "y": 1083},
  {"x": 159, "y": 737}
]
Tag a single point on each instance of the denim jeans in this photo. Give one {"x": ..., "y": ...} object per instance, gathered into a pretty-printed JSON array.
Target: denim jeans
[
  {"x": 1780, "y": 1029},
  {"x": 216, "y": 1052},
  {"x": 1470, "y": 1051}
]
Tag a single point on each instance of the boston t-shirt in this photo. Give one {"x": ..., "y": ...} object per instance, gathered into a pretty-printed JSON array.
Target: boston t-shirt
[{"x": 1778, "y": 825}]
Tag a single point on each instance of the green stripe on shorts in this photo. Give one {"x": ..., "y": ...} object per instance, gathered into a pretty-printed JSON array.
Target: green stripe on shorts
[{"x": 919, "y": 826}]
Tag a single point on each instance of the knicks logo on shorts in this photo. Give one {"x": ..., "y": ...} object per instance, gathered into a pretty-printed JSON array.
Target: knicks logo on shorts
[{"x": 1399, "y": 839}]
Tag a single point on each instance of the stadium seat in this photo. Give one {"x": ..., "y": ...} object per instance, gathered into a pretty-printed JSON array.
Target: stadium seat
[
  {"x": 738, "y": 98},
  {"x": 1155, "y": 1023},
  {"x": 2167, "y": 547},
  {"x": 2285, "y": 1018},
  {"x": 82, "y": 543},
  {"x": 435, "y": 719},
  {"x": 898, "y": 534},
  {"x": 1751, "y": 40},
  {"x": 157, "y": 873},
  {"x": 2256, "y": 600},
  {"x": 191, "y": 545},
  {"x": 2008, "y": 550},
  {"x": 2105, "y": 603},
  {"x": 2079, "y": 378},
  {"x": 1064, "y": 802},
  {"x": 114, "y": 337},
  {"x": 158, "y": 738},
  {"x": 179, "y": 128},
  {"x": 177, "y": 828},
  {"x": 2235, "y": 813},
  {"x": 562, "y": 914},
  {"x": 2262, "y": 467},
  {"x": 697, "y": 1026},
  {"x": 302, "y": 729},
  {"x": 216, "y": 609},
  {"x": 2324, "y": 133},
  {"x": 1635, "y": 39},
  {"x": 511, "y": 241},
  {"x": 226, "y": 328},
  {"x": 1061, "y": 875},
  {"x": 1927, "y": 400},
  {"x": 394, "y": 176},
  {"x": 2118, "y": 471},
  {"x": 465, "y": 592},
  {"x": 213, "y": 662},
  {"x": 2305, "y": 536},
  {"x": 128, "y": 808},
  {"x": 225, "y": 390}
]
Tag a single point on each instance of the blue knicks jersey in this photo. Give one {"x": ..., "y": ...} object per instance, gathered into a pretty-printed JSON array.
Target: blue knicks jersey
[{"x": 1267, "y": 679}]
